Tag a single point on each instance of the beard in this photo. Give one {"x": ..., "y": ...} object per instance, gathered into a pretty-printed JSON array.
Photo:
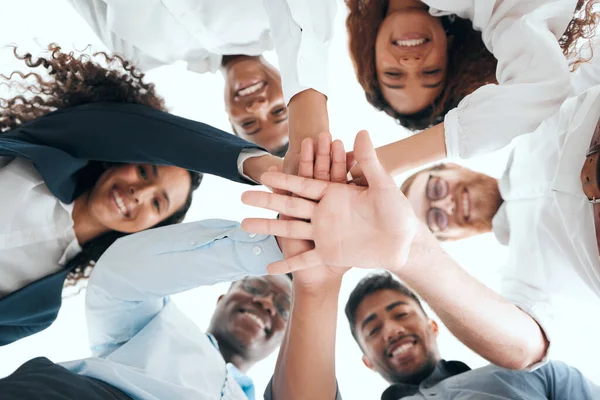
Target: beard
[
  {"x": 485, "y": 199},
  {"x": 418, "y": 375}
]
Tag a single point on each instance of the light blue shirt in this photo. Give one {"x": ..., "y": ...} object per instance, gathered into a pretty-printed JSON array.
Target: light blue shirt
[{"x": 141, "y": 342}]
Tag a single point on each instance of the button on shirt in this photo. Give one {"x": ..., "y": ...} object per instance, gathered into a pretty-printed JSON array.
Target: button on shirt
[
  {"x": 546, "y": 219},
  {"x": 36, "y": 230},
  {"x": 142, "y": 343},
  {"x": 532, "y": 73},
  {"x": 151, "y": 33}
]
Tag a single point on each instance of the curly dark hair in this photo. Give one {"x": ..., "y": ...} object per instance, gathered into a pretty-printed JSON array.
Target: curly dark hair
[
  {"x": 470, "y": 64},
  {"x": 75, "y": 80}
]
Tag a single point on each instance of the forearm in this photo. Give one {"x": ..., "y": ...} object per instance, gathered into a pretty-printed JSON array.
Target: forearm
[
  {"x": 254, "y": 167},
  {"x": 484, "y": 321},
  {"x": 306, "y": 364},
  {"x": 414, "y": 151}
]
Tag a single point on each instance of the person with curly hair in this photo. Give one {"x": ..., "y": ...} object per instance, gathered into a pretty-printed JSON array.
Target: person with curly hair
[
  {"x": 263, "y": 104},
  {"x": 473, "y": 75},
  {"x": 87, "y": 155}
]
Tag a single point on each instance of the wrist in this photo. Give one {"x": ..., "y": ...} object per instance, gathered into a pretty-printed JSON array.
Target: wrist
[
  {"x": 254, "y": 167},
  {"x": 320, "y": 289},
  {"x": 424, "y": 249}
]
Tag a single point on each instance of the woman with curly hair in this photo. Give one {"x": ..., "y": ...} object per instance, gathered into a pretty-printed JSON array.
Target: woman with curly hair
[
  {"x": 88, "y": 155},
  {"x": 472, "y": 74}
]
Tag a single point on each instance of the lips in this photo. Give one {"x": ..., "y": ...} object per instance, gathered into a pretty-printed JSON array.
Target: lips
[
  {"x": 411, "y": 40},
  {"x": 465, "y": 204},
  {"x": 402, "y": 349},
  {"x": 120, "y": 202},
  {"x": 262, "y": 323},
  {"x": 249, "y": 89}
]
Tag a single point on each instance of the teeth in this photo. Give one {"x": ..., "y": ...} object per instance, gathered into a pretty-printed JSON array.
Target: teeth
[
  {"x": 410, "y": 42},
  {"x": 120, "y": 203},
  {"x": 402, "y": 349},
  {"x": 256, "y": 319},
  {"x": 250, "y": 89},
  {"x": 466, "y": 209}
]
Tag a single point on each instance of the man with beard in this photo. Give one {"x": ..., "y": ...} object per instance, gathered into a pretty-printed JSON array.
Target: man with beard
[
  {"x": 231, "y": 36},
  {"x": 143, "y": 346},
  {"x": 375, "y": 227}
]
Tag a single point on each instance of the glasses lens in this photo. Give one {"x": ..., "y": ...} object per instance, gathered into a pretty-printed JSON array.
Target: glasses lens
[{"x": 437, "y": 188}]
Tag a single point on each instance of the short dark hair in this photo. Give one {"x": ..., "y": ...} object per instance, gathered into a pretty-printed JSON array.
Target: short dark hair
[{"x": 370, "y": 284}]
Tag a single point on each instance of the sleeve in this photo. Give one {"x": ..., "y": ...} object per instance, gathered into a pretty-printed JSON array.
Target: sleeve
[
  {"x": 588, "y": 73},
  {"x": 134, "y": 277},
  {"x": 132, "y": 133},
  {"x": 532, "y": 73},
  {"x": 269, "y": 392},
  {"x": 246, "y": 154},
  {"x": 302, "y": 31}
]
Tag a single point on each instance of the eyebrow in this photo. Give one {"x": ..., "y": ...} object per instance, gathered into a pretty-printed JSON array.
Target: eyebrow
[
  {"x": 433, "y": 85},
  {"x": 388, "y": 308},
  {"x": 428, "y": 86},
  {"x": 166, "y": 195}
]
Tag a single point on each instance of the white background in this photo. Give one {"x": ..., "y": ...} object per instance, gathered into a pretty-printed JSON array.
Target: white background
[{"x": 32, "y": 24}]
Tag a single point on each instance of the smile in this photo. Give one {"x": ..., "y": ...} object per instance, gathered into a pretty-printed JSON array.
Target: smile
[
  {"x": 411, "y": 42},
  {"x": 466, "y": 205},
  {"x": 120, "y": 203},
  {"x": 403, "y": 349},
  {"x": 256, "y": 320},
  {"x": 250, "y": 90}
]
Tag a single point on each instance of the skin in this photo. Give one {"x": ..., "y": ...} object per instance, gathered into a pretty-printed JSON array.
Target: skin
[
  {"x": 149, "y": 193},
  {"x": 471, "y": 202},
  {"x": 410, "y": 77},
  {"x": 260, "y": 117},
  {"x": 241, "y": 341},
  {"x": 387, "y": 319}
]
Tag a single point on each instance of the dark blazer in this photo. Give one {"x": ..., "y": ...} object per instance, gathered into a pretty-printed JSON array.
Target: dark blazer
[{"x": 69, "y": 146}]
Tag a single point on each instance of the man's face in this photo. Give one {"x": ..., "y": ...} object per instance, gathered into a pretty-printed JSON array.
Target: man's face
[
  {"x": 253, "y": 314},
  {"x": 454, "y": 201},
  {"x": 397, "y": 338},
  {"x": 254, "y": 102}
]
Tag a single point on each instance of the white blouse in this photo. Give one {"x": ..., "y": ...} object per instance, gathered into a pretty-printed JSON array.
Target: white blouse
[
  {"x": 36, "y": 229},
  {"x": 532, "y": 72},
  {"x": 151, "y": 33}
]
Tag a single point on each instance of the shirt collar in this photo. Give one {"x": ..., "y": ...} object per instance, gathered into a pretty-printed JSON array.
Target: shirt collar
[
  {"x": 443, "y": 370},
  {"x": 244, "y": 381}
]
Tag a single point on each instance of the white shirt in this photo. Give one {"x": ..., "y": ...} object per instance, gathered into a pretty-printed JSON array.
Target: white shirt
[
  {"x": 36, "y": 229},
  {"x": 546, "y": 219},
  {"x": 150, "y": 33},
  {"x": 532, "y": 72},
  {"x": 141, "y": 342}
]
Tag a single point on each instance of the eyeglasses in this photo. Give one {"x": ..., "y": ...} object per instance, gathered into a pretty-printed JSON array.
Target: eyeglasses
[
  {"x": 262, "y": 288},
  {"x": 436, "y": 189}
]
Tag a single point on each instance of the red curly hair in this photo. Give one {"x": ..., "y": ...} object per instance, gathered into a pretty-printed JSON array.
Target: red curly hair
[{"x": 470, "y": 64}]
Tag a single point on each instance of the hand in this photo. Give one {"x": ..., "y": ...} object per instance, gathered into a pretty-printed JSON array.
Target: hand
[{"x": 370, "y": 227}]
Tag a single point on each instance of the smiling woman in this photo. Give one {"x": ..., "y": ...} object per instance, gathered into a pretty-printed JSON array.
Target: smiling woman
[{"x": 115, "y": 199}]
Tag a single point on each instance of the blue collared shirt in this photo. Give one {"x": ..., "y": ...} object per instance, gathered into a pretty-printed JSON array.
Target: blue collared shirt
[{"x": 141, "y": 342}]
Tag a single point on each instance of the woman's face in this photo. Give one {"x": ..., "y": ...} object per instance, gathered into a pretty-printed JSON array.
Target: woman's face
[
  {"x": 411, "y": 56},
  {"x": 133, "y": 197}
]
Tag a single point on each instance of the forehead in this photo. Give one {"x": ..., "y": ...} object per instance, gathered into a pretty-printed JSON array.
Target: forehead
[{"x": 376, "y": 303}]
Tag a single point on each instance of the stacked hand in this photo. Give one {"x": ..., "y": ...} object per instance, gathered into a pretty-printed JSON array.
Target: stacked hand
[{"x": 368, "y": 227}]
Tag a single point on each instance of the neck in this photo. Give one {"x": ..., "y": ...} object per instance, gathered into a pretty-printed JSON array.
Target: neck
[
  {"x": 231, "y": 354},
  {"x": 85, "y": 226},
  {"x": 402, "y": 5}
]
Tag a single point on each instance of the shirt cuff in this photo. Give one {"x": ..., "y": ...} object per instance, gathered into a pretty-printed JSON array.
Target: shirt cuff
[{"x": 246, "y": 154}]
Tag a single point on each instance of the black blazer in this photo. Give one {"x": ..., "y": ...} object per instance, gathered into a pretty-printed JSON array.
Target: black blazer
[{"x": 68, "y": 147}]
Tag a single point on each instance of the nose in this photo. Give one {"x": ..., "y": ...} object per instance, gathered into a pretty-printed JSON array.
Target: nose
[
  {"x": 257, "y": 105},
  {"x": 392, "y": 331},
  {"x": 266, "y": 302},
  {"x": 446, "y": 204},
  {"x": 410, "y": 60},
  {"x": 142, "y": 193}
]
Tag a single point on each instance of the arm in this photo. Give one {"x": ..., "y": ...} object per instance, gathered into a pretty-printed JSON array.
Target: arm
[
  {"x": 133, "y": 278},
  {"x": 306, "y": 364},
  {"x": 302, "y": 31},
  {"x": 487, "y": 323},
  {"x": 533, "y": 81}
]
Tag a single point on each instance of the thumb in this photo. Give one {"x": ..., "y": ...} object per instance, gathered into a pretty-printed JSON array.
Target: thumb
[{"x": 366, "y": 157}]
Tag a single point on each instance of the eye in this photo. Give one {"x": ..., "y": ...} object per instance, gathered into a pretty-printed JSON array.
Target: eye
[
  {"x": 143, "y": 173},
  {"x": 157, "y": 204},
  {"x": 248, "y": 123},
  {"x": 441, "y": 220},
  {"x": 432, "y": 72},
  {"x": 401, "y": 315},
  {"x": 393, "y": 74},
  {"x": 374, "y": 331},
  {"x": 278, "y": 111}
]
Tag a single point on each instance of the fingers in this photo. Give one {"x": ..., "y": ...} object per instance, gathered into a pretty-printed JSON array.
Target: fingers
[
  {"x": 323, "y": 158},
  {"x": 307, "y": 158},
  {"x": 339, "y": 171},
  {"x": 303, "y": 187},
  {"x": 306, "y": 260},
  {"x": 291, "y": 206},
  {"x": 290, "y": 229},
  {"x": 367, "y": 160}
]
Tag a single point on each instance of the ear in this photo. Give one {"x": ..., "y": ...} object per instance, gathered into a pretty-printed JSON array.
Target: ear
[
  {"x": 220, "y": 298},
  {"x": 367, "y": 362},
  {"x": 434, "y": 327}
]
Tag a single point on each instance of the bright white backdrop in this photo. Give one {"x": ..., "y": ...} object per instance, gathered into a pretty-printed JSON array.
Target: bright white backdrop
[{"x": 32, "y": 24}]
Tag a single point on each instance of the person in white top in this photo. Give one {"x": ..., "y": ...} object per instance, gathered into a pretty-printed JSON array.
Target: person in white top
[
  {"x": 537, "y": 208},
  {"x": 231, "y": 36},
  {"x": 473, "y": 74},
  {"x": 49, "y": 233}
]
